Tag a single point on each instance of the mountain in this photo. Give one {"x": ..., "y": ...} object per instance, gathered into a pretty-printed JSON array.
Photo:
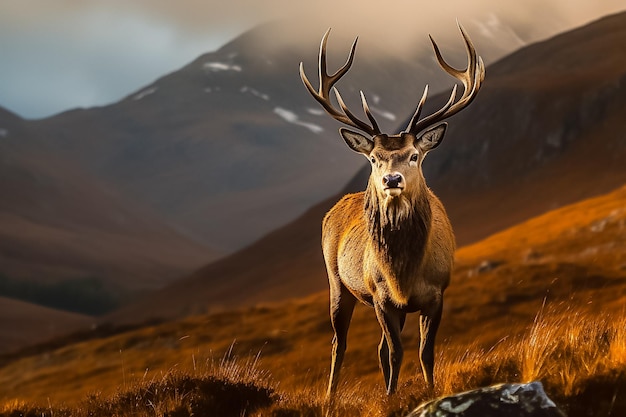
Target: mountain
[
  {"x": 107, "y": 203},
  {"x": 70, "y": 241},
  {"x": 231, "y": 146},
  {"x": 546, "y": 130},
  {"x": 526, "y": 145},
  {"x": 286, "y": 263},
  {"x": 23, "y": 324},
  {"x": 211, "y": 157}
]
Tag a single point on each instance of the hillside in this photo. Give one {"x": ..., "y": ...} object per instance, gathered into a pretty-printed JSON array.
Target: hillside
[
  {"x": 509, "y": 179},
  {"x": 60, "y": 226},
  {"x": 231, "y": 146},
  {"x": 547, "y": 130},
  {"x": 286, "y": 263},
  {"x": 23, "y": 324},
  {"x": 110, "y": 202},
  {"x": 105, "y": 232},
  {"x": 568, "y": 261}
]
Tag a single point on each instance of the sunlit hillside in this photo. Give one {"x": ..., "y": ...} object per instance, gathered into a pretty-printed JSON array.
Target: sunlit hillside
[
  {"x": 580, "y": 362},
  {"x": 542, "y": 300}
]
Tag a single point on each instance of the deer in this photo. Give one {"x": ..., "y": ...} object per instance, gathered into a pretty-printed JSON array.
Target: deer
[{"x": 390, "y": 247}]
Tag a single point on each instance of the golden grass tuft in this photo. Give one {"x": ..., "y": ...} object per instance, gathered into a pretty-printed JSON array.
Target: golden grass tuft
[
  {"x": 576, "y": 344},
  {"x": 577, "y": 355},
  {"x": 580, "y": 357},
  {"x": 229, "y": 387}
]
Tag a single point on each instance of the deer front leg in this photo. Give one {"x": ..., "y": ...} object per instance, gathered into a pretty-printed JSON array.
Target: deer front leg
[
  {"x": 383, "y": 353},
  {"x": 390, "y": 349},
  {"x": 429, "y": 323},
  {"x": 342, "y": 304}
]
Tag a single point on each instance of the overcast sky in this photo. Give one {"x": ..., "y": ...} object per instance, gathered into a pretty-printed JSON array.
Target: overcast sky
[{"x": 60, "y": 54}]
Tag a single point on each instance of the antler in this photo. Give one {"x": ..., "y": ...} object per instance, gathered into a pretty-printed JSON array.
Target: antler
[
  {"x": 326, "y": 82},
  {"x": 471, "y": 78}
]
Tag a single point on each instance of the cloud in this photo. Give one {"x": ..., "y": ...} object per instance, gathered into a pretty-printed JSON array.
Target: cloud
[
  {"x": 58, "y": 54},
  {"x": 397, "y": 20},
  {"x": 86, "y": 56}
]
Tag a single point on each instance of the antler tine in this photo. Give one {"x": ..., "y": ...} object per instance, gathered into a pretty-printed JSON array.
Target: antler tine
[
  {"x": 471, "y": 78},
  {"x": 368, "y": 113},
  {"x": 418, "y": 111},
  {"x": 326, "y": 84}
]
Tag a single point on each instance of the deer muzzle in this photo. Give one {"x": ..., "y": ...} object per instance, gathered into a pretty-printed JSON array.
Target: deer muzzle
[{"x": 393, "y": 184}]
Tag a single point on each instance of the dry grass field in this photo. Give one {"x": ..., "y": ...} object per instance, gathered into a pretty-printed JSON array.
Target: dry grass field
[
  {"x": 540, "y": 301},
  {"x": 581, "y": 363}
]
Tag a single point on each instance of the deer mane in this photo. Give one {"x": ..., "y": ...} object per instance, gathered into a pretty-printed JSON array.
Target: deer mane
[{"x": 398, "y": 224}]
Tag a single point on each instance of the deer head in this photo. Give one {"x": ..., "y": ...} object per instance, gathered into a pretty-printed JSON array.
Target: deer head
[{"x": 396, "y": 159}]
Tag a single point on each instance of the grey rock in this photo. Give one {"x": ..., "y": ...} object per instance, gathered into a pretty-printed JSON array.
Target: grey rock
[{"x": 504, "y": 400}]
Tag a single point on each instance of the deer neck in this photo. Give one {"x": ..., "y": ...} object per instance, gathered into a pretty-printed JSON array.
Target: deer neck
[{"x": 399, "y": 228}]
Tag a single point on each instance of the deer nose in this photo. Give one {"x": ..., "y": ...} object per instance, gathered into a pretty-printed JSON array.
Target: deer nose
[{"x": 392, "y": 180}]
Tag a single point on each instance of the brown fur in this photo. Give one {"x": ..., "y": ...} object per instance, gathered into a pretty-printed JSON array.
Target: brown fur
[
  {"x": 392, "y": 253},
  {"x": 392, "y": 246}
]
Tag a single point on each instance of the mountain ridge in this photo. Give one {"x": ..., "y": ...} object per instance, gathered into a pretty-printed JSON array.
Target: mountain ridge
[
  {"x": 199, "y": 162},
  {"x": 563, "y": 136},
  {"x": 517, "y": 183}
]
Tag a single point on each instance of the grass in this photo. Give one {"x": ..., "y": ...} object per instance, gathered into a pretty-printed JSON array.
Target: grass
[
  {"x": 495, "y": 329},
  {"x": 580, "y": 358},
  {"x": 230, "y": 389}
]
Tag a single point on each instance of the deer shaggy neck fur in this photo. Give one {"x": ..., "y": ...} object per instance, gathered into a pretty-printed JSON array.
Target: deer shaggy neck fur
[{"x": 399, "y": 227}]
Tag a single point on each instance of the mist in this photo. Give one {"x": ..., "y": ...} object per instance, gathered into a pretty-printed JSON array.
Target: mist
[{"x": 63, "y": 54}]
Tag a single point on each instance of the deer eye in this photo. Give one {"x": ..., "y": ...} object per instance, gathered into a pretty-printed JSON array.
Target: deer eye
[{"x": 414, "y": 158}]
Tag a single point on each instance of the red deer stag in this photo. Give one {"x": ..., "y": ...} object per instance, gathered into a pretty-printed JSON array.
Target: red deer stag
[{"x": 391, "y": 246}]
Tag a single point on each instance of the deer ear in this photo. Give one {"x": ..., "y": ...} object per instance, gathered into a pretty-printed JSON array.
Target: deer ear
[
  {"x": 356, "y": 141},
  {"x": 431, "y": 138}
]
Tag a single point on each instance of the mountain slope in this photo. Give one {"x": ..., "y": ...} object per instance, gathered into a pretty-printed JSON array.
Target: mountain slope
[
  {"x": 546, "y": 130},
  {"x": 231, "y": 146},
  {"x": 109, "y": 202},
  {"x": 286, "y": 263},
  {"x": 569, "y": 261},
  {"x": 23, "y": 324},
  {"x": 507, "y": 180},
  {"x": 61, "y": 226}
]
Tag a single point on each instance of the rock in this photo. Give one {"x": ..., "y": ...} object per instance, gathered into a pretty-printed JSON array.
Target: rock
[{"x": 505, "y": 400}]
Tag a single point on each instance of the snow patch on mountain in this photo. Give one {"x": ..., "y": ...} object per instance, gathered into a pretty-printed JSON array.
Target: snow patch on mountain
[
  {"x": 375, "y": 98},
  {"x": 292, "y": 117},
  {"x": 221, "y": 66},
  {"x": 144, "y": 93},
  {"x": 384, "y": 113},
  {"x": 315, "y": 112},
  {"x": 256, "y": 93}
]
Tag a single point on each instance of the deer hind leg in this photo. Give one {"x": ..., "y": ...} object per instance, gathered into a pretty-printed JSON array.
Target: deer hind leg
[
  {"x": 429, "y": 323},
  {"x": 342, "y": 304},
  {"x": 390, "y": 350}
]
